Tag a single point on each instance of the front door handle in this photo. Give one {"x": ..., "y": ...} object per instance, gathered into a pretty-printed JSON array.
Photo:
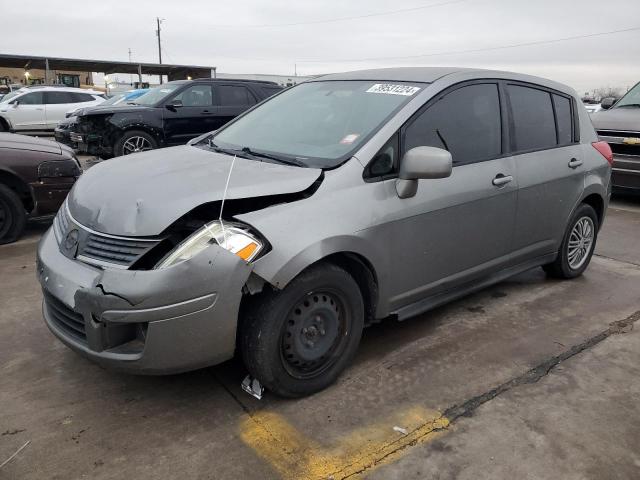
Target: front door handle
[
  {"x": 501, "y": 180},
  {"x": 574, "y": 163}
]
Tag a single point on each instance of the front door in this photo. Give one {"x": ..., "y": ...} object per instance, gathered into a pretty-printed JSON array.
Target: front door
[
  {"x": 189, "y": 113},
  {"x": 27, "y": 112},
  {"x": 548, "y": 161},
  {"x": 460, "y": 228}
]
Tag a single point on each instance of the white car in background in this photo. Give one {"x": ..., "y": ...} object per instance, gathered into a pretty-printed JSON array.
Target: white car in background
[
  {"x": 593, "y": 107},
  {"x": 41, "y": 108}
]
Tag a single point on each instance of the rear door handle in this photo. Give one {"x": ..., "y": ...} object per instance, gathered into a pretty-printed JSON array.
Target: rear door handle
[
  {"x": 501, "y": 180},
  {"x": 574, "y": 163}
]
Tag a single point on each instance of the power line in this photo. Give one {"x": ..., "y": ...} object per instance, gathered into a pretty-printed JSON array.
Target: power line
[
  {"x": 476, "y": 50},
  {"x": 341, "y": 19}
]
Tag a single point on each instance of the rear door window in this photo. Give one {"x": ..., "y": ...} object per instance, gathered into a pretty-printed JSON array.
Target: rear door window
[
  {"x": 235, "y": 96},
  {"x": 466, "y": 122},
  {"x": 533, "y": 121},
  {"x": 562, "y": 106},
  {"x": 82, "y": 97},
  {"x": 53, "y": 98}
]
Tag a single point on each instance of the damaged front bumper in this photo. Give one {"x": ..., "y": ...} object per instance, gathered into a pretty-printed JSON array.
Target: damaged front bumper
[{"x": 150, "y": 322}]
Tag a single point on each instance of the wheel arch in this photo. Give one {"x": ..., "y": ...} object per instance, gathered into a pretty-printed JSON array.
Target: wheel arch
[
  {"x": 5, "y": 123},
  {"x": 596, "y": 201},
  {"x": 15, "y": 183}
]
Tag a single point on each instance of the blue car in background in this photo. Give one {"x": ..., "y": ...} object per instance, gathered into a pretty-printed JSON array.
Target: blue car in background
[{"x": 63, "y": 130}]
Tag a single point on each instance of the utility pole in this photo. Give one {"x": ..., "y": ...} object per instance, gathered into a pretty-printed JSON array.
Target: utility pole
[
  {"x": 130, "y": 75},
  {"x": 159, "y": 45}
]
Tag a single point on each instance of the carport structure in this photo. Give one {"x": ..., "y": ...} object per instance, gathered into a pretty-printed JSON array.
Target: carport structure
[{"x": 50, "y": 64}]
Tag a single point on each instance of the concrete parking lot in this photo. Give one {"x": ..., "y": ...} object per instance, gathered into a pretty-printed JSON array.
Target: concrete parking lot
[{"x": 532, "y": 378}]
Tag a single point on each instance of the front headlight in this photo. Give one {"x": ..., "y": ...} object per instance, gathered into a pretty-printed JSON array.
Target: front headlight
[{"x": 234, "y": 237}]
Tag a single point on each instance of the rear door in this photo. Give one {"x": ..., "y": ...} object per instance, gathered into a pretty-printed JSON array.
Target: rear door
[
  {"x": 460, "y": 228},
  {"x": 57, "y": 104},
  {"x": 27, "y": 112},
  {"x": 189, "y": 113},
  {"x": 548, "y": 158},
  {"x": 233, "y": 100}
]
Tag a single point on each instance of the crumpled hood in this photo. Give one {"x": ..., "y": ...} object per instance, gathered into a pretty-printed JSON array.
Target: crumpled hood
[
  {"x": 626, "y": 119},
  {"x": 109, "y": 109},
  {"x": 144, "y": 193}
]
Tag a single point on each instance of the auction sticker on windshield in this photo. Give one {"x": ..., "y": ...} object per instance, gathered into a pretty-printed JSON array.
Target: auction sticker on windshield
[{"x": 391, "y": 89}]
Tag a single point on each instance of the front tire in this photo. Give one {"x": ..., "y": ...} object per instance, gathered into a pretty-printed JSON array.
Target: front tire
[
  {"x": 297, "y": 341},
  {"x": 13, "y": 216},
  {"x": 577, "y": 246},
  {"x": 134, "y": 141}
]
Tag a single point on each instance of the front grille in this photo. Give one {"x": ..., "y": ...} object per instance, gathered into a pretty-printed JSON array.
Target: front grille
[
  {"x": 622, "y": 149},
  {"x": 114, "y": 250},
  {"x": 65, "y": 318},
  {"x": 97, "y": 248}
]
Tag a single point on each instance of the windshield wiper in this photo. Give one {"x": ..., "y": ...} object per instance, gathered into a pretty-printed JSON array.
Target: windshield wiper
[
  {"x": 628, "y": 105},
  {"x": 286, "y": 161}
]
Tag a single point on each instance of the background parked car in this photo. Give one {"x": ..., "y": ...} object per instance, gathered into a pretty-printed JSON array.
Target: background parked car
[
  {"x": 171, "y": 114},
  {"x": 35, "y": 177},
  {"x": 63, "y": 130},
  {"x": 619, "y": 125},
  {"x": 41, "y": 108}
]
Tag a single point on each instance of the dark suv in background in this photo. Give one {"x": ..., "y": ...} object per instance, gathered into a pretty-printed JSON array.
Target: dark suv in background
[
  {"x": 619, "y": 125},
  {"x": 171, "y": 114}
]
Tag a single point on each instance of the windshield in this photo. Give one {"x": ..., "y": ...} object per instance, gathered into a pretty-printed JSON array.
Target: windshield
[
  {"x": 632, "y": 97},
  {"x": 317, "y": 123},
  {"x": 156, "y": 94},
  {"x": 113, "y": 100}
]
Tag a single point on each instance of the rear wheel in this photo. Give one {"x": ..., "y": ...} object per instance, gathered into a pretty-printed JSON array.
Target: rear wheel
[
  {"x": 297, "y": 341},
  {"x": 577, "y": 246},
  {"x": 13, "y": 216},
  {"x": 134, "y": 141}
]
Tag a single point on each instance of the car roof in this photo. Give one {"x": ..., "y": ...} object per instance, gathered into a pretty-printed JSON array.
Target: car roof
[
  {"x": 400, "y": 74},
  {"x": 432, "y": 74},
  {"x": 56, "y": 88}
]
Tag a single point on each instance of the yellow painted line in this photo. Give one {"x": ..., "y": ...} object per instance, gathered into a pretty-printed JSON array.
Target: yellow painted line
[{"x": 295, "y": 456}]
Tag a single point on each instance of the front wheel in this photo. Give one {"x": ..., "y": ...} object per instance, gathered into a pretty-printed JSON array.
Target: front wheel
[
  {"x": 577, "y": 246},
  {"x": 13, "y": 216},
  {"x": 297, "y": 341},
  {"x": 134, "y": 141}
]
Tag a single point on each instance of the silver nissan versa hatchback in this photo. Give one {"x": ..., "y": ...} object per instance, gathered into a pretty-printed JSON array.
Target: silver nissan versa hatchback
[{"x": 344, "y": 200}]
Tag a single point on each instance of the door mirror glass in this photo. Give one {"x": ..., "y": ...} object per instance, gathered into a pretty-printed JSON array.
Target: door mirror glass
[
  {"x": 422, "y": 162},
  {"x": 607, "y": 103}
]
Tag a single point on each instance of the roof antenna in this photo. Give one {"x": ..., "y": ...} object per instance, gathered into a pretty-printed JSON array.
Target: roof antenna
[{"x": 224, "y": 197}]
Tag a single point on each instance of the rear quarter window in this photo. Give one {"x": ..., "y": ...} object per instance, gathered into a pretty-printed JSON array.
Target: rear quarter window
[{"x": 562, "y": 106}]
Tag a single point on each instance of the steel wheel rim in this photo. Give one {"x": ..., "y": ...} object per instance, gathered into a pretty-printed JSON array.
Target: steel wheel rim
[
  {"x": 580, "y": 242},
  {"x": 322, "y": 319},
  {"x": 136, "y": 144}
]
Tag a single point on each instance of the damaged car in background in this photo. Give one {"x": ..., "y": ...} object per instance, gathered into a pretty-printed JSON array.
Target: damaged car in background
[
  {"x": 342, "y": 201},
  {"x": 35, "y": 177}
]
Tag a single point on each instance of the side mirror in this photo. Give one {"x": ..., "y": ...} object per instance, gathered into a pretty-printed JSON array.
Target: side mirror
[
  {"x": 607, "y": 103},
  {"x": 422, "y": 162},
  {"x": 174, "y": 104},
  {"x": 15, "y": 103}
]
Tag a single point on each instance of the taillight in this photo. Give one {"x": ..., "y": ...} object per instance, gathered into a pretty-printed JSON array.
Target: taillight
[{"x": 605, "y": 150}]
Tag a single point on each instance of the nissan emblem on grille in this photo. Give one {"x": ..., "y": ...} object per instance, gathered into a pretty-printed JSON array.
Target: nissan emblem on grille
[{"x": 70, "y": 243}]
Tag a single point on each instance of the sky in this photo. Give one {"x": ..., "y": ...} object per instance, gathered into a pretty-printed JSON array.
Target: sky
[{"x": 322, "y": 36}]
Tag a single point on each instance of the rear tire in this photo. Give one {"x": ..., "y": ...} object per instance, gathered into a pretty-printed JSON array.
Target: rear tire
[
  {"x": 134, "y": 141},
  {"x": 577, "y": 246},
  {"x": 13, "y": 216},
  {"x": 297, "y": 341}
]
